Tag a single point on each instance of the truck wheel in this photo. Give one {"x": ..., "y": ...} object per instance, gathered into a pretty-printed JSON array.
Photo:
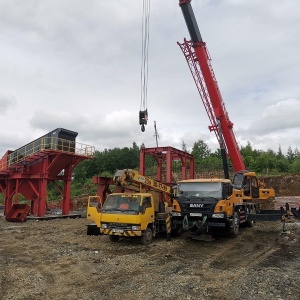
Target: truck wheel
[
  {"x": 235, "y": 225},
  {"x": 146, "y": 238},
  {"x": 177, "y": 231},
  {"x": 114, "y": 238},
  {"x": 250, "y": 223}
]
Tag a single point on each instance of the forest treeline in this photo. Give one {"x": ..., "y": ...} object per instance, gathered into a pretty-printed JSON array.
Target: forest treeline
[
  {"x": 262, "y": 162},
  {"x": 207, "y": 163}
]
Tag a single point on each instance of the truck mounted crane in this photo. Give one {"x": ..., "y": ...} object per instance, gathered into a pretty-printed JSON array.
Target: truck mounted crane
[
  {"x": 142, "y": 209},
  {"x": 216, "y": 203}
]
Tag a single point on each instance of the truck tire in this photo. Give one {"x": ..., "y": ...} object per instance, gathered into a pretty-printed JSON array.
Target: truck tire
[
  {"x": 114, "y": 238},
  {"x": 177, "y": 231},
  {"x": 250, "y": 223},
  {"x": 235, "y": 225},
  {"x": 146, "y": 238}
]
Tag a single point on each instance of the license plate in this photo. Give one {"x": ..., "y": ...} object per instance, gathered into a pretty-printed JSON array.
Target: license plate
[
  {"x": 118, "y": 230},
  {"x": 196, "y": 214}
]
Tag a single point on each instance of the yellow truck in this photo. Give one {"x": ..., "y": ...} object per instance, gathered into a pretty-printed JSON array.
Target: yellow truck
[
  {"x": 142, "y": 210},
  {"x": 146, "y": 207},
  {"x": 209, "y": 205}
]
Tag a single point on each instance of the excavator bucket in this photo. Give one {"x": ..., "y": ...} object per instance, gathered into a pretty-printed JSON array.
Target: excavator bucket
[{"x": 18, "y": 213}]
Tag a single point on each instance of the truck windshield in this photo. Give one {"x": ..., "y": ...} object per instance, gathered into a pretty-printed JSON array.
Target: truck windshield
[
  {"x": 200, "y": 189},
  {"x": 120, "y": 204}
]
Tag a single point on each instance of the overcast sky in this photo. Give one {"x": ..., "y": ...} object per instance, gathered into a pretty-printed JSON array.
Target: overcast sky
[{"x": 76, "y": 64}]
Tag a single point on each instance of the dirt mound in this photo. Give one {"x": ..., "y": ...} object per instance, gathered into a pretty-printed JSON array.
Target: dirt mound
[
  {"x": 287, "y": 190},
  {"x": 80, "y": 202},
  {"x": 286, "y": 185}
]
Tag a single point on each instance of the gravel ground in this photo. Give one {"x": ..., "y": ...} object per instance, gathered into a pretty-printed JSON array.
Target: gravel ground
[{"x": 55, "y": 259}]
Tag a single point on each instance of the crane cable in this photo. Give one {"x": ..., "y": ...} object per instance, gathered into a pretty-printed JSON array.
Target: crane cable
[{"x": 143, "y": 115}]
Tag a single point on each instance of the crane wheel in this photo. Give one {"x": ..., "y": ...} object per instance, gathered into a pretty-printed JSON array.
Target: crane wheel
[
  {"x": 250, "y": 223},
  {"x": 235, "y": 225},
  {"x": 146, "y": 238}
]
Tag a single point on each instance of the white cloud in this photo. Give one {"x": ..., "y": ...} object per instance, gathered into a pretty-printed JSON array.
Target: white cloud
[
  {"x": 77, "y": 65},
  {"x": 6, "y": 102},
  {"x": 278, "y": 125}
]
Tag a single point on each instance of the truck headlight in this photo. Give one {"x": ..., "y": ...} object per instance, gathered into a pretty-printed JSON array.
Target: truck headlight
[
  {"x": 103, "y": 225},
  {"x": 218, "y": 216},
  {"x": 135, "y": 227}
]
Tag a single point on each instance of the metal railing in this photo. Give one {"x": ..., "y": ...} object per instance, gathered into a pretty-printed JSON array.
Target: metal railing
[{"x": 45, "y": 144}]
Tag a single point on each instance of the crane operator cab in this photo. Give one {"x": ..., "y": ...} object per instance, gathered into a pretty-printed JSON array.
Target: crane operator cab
[
  {"x": 247, "y": 182},
  {"x": 143, "y": 119}
]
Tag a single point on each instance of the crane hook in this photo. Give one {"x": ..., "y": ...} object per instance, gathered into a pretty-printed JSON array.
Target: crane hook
[{"x": 143, "y": 116}]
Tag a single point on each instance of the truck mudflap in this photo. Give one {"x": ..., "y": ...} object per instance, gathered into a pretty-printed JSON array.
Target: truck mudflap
[
  {"x": 121, "y": 232},
  {"x": 92, "y": 229}
]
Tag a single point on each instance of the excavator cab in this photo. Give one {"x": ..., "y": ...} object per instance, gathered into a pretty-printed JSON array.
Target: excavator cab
[{"x": 143, "y": 119}]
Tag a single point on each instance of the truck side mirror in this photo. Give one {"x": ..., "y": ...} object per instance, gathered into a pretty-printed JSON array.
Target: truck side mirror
[
  {"x": 230, "y": 190},
  {"x": 227, "y": 190}
]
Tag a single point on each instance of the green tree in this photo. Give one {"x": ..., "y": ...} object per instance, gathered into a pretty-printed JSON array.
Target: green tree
[
  {"x": 183, "y": 146},
  {"x": 279, "y": 152},
  {"x": 290, "y": 154},
  {"x": 200, "y": 150},
  {"x": 295, "y": 167}
]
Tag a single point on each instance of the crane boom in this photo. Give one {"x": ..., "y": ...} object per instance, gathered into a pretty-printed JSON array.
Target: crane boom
[
  {"x": 198, "y": 59},
  {"x": 132, "y": 180}
]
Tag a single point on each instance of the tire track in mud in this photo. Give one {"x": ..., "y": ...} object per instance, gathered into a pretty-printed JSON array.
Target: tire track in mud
[
  {"x": 231, "y": 260},
  {"x": 56, "y": 259}
]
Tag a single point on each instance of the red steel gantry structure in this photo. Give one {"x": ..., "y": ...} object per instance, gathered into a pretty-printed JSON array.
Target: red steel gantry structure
[
  {"x": 30, "y": 174},
  {"x": 166, "y": 156}
]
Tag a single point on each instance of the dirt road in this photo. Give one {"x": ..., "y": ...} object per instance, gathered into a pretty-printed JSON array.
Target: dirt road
[{"x": 57, "y": 260}]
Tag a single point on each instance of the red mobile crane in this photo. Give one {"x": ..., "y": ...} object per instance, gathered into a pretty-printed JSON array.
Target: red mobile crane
[
  {"x": 198, "y": 59},
  {"x": 216, "y": 203}
]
